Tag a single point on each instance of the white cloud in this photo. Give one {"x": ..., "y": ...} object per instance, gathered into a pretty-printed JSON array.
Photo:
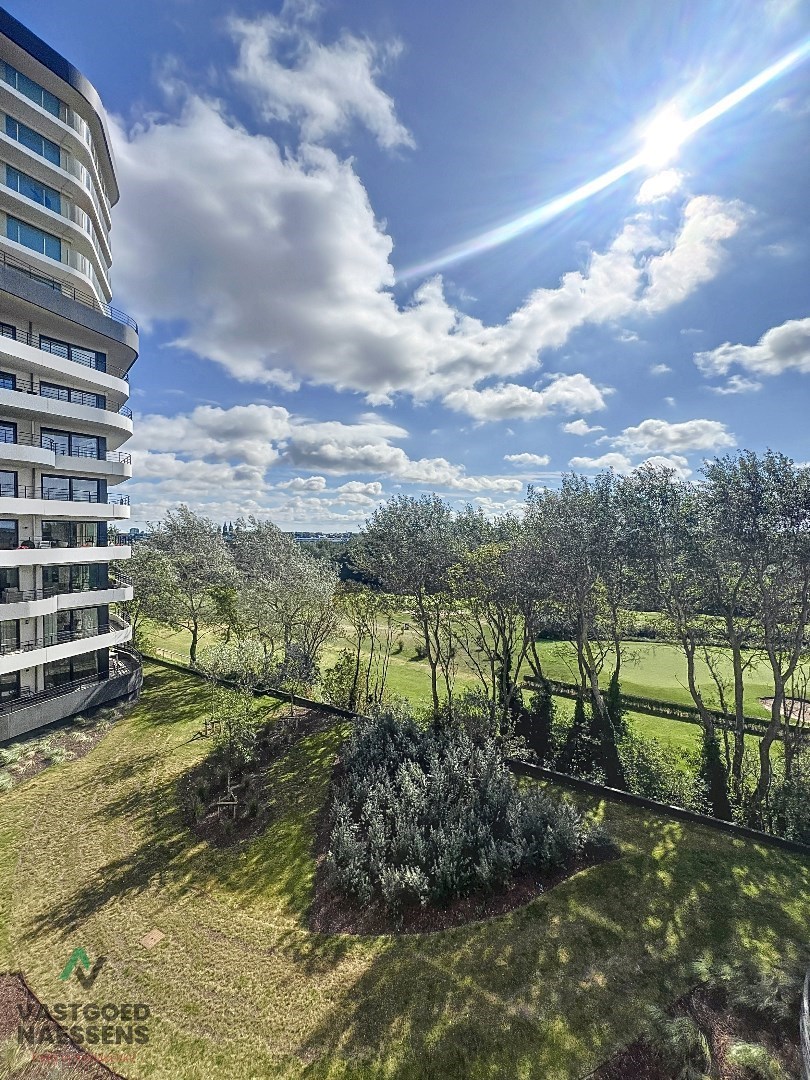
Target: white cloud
[
  {"x": 320, "y": 88},
  {"x": 619, "y": 462},
  {"x": 580, "y": 427},
  {"x": 661, "y": 436},
  {"x": 509, "y": 401},
  {"x": 737, "y": 384},
  {"x": 660, "y": 369},
  {"x": 303, "y": 483},
  {"x": 660, "y": 186},
  {"x": 275, "y": 267},
  {"x": 676, "y": 462},
  {"x": 782, "y": 348},
  {"x": 528, "y": 460}
]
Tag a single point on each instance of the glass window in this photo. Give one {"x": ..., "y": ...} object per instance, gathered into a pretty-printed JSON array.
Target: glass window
[
  {"x": 87, "y": 357},
  {"x": 9, "y": 577},
  {"x": 83, "y": 665},
  {"x": 38, "y": 94},
  {"x": 31, "y": 139},
  {"x": 85, "y": 622},
  {"x": 9, "y": 635},
  {"x": 9, "y": 532},
  {"x": 56, "y": 487},
  {"x": 7, "y": 381},
  {"x": 35, "y": 239},
  {"x": 55, "y": 579},
  {"x": 7, "y": 330},
  {"x": 10, "y": 686},
  {"x": 57, "y": 673},
  {"x": 57, "y": 533},
  {"x": 76, "y": 397},
  {"x": 32, "y": 189},
  {"x": 84, "y": 490},
  {"x": 58, "y": 441},
  {"x": 8, "y": 432},
  {"x": 86, "y": 533},
  {"x": 8, "y": 483},
  {"x": 84, "y": 446},
  {"x": 49, "y": 390}
]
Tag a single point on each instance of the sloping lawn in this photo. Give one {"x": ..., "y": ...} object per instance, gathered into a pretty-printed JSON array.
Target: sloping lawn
[{"x": 93, "y": 854}]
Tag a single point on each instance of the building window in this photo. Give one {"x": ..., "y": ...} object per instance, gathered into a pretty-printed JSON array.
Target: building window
[
  {"x": 32, "y": 189},
  {"x": 9, "y": 635},
  {"x": 64, "y": 442},
  {"x": 65, "y": 489},
  {"x": 8, "y": 381},
  {"x": 7, "y": 330},
  {"x": 9, "y": 578},
  {"x": 88, "y": 357},
  {"x": 35, "y": 239},
  {"x": 32, "y": 140},
  {"x": 59, "y": 672},
  {"x": 70, "y": 533},
  {"x": 9, "y": 535},
  {"x": 75, "y": 397},
  {"x": 55, "y": 580},
  {"x": 8, "y": 432},
  {"x": 38, "y": 94},
  {"x": 8, "y": 484},
  {"x": 10, "y": 686}
]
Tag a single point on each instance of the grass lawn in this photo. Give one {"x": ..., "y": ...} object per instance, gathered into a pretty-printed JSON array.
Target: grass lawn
[{"x": 93, "y": 853}]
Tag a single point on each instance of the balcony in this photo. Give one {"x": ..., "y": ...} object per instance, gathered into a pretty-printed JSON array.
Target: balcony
[
  {"x": 31, "y": 603},
  {"x": 44, "y": 553},
  {"x": 44, "y": 451},
  {"x": 61, "y": 645},
  {"x": 63, "y": 287},
  {"x": 18, "y": 501}
]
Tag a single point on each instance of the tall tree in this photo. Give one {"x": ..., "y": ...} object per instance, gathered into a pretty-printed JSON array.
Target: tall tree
[
  {"x": 408, "y": 547},
  {"x": 198, "y": 570}
]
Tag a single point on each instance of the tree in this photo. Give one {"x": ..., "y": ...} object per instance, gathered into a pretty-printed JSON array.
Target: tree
[
  {"x": 408, "y": 547},
  {"x": 766, "y": 501},
  {"x": 198, "y": 570},
  {"x": 152, "y": 583},
  {"x": 371, "y": 622}
]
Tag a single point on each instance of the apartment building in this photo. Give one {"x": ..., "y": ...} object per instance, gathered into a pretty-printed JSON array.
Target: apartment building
[{"x": 65, "y": 358}]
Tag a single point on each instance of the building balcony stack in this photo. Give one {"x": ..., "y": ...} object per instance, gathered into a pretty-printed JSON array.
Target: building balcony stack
[{"x": 65, "y": 357}]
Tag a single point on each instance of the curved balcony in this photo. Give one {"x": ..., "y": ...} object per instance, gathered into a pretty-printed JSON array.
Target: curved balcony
[
  {"x": 41, "y": 451},
  {"x": 78, "y": 365},
  {"x": 42, "y": 553},
  {"x": 62, "y": 645},
  {"x": 27, "y": 400},
  {"x": 30, "y": 603},
  {"x": 66, "y": 289},
  {"x": 39, "y": 502}
]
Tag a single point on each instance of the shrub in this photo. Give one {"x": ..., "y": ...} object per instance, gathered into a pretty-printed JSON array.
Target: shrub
[
  {"x": 6, "y": 782},
  {"x": 340, "y": 682},
  {"x": 424, "y": 815},
  {"x": 657, "y": 772}
]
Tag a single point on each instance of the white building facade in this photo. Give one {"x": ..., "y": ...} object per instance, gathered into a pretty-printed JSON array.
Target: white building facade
[{"x": 65, "y": 357}]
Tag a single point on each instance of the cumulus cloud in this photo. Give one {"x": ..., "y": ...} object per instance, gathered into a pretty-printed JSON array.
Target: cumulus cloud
[
  {"x": 528, "y": 460},
  {"x": 512, "y": 401},
  {"x": 322, "y": 89},
  {"x": 273, "y": 265},
  {"x": 660, "y": 369},
  {"x": 660, "y": 186},
  {"x": 618, "y": 462},
  {"x": 661, "y": 436},
  {"x": 580, "y": 427},
  {"x": 737, "y": 384},
  {"x": 782, "y": 348}
]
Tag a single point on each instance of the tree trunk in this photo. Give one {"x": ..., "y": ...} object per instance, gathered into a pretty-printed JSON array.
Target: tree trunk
[
  {"x": 192, "y": 652},
  {"x": 739, "y": 721}
]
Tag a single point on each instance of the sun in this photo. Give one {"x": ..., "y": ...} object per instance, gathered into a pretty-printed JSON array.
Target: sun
[{"x": 662, "y": 138}]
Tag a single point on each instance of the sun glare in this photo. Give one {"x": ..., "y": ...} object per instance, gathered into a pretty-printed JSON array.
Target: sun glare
[{"x": 663, "y": 138}]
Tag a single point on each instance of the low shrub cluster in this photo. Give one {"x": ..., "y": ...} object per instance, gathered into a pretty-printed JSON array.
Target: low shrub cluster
[{"x": 426, "y": 815}]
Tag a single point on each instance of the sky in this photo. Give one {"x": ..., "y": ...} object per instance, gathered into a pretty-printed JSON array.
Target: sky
[{"x": 344, "y": 232}]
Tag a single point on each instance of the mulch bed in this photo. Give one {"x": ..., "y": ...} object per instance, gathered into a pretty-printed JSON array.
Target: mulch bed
[
  {"x": 708, "y": 1008},
  {"x": 54, "y": 1045}
]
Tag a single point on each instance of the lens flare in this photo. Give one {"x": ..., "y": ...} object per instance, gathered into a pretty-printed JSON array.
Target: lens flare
[{"x": 662, "y": 139}]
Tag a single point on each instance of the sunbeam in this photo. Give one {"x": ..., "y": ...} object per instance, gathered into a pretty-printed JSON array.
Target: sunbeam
[{"x": 662, "y": 139}]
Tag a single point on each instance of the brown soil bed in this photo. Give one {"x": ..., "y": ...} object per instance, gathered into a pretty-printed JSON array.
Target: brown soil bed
[
  {"x": 53, "y": 1044},
  {"x": 708, "y": 1008},
  {"x": 798, "y": 709},
  {"x": 333, "y": 913}
]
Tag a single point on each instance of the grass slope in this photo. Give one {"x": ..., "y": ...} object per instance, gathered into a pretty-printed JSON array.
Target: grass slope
[{"x": 93, "y": 853}]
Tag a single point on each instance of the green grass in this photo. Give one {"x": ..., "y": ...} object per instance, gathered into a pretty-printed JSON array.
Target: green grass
[{"x": 93, "y": 853}]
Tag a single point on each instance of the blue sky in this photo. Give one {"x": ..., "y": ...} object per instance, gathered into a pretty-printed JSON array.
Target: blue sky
[{"x": 292, "y": 176}]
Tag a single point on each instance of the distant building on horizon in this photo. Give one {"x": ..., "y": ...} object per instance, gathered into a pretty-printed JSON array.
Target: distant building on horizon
[{"x": 65, "y": 356}]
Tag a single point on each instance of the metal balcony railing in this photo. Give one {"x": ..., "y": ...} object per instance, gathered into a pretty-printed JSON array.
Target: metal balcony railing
[
  {"x": 13, "y": 491},
  {"x": 77, "y": 354},
  {"x": 45, "y": 442},
  {"x": 24, "y": 596},
  {"x": 68, "y": 290},
  {"x": 77, "y": 397}
]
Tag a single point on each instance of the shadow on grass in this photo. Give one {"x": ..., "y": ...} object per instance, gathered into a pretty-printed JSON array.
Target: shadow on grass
[
  {"x": 552, "y": 989},
  {"x": 142, "y": 789}
]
